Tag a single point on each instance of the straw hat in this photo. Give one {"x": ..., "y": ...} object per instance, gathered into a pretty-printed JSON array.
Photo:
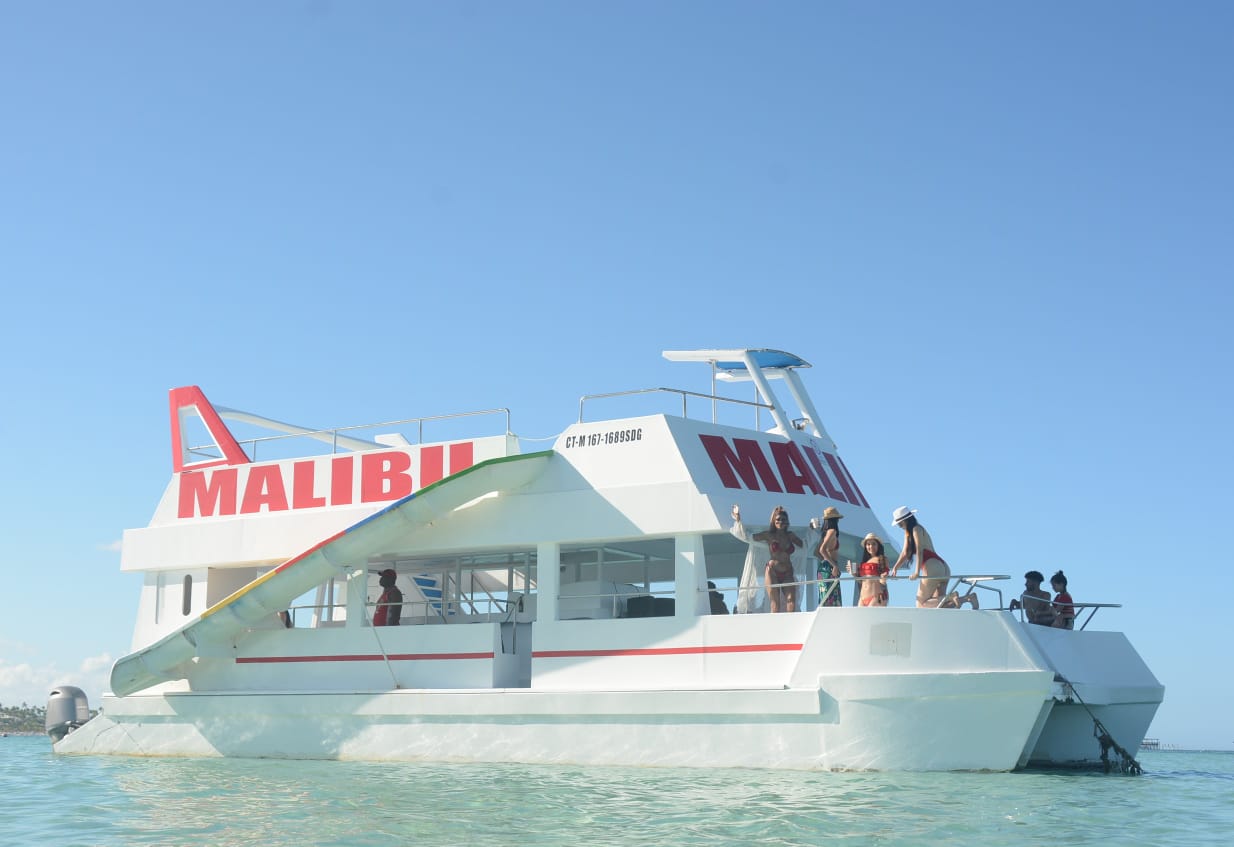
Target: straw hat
[
  {"x": 870, "y": 537},
  {"x": 831, "y": 512}
]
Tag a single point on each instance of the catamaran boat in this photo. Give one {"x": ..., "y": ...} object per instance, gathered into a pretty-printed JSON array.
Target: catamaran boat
[{"x": 569, "y": 605}]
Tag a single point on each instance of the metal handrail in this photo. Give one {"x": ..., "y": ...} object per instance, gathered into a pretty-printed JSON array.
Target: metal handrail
[
  {"x": 1094, "y": 607},
  {"x": 291, "y": 610},
  {"x": 973, "y": 581},
  {"x": 444, "y": 608},
  {"x": 505, "y": 605},
  {"x": 685, "y": 395},
  {"x": 335, "y": 431},
  {"x": 1056, "y": 605}
]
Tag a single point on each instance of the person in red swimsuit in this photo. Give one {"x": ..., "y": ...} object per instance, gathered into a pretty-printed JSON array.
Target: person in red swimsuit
[
  {"x": 779, "y": 573},
  {"x": 1064, "y": 612},
  {"x": 919, "y": 547},
  {"x": 873, "y": 572}
]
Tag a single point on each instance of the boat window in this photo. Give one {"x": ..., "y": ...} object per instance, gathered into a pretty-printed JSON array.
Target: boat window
[
  {"x": 617, "y": 579},
  {"x": 465, "y": 588},
  {"x": 639, "y": 562},
  {"x": 186, "y": 601}
]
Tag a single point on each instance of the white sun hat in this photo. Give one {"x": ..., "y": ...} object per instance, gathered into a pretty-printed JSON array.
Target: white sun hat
[{"x": 902, "y": 513}]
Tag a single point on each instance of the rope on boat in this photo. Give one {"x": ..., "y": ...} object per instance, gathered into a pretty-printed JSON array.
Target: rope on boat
[
  {"x": 1126, "y": 762},
  {"x": 369, "y": 619}
]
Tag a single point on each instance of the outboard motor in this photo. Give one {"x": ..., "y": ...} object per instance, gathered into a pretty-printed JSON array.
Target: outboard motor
[{"x": 67, "y": 709}]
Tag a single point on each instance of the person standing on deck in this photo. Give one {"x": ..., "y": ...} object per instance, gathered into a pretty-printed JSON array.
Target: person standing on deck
[
  {"x": 780, "y": 556},
  {"x": 919, "y": 548},
  {"x": 390, "y": 604},
  {"x": 829, "y": 559},
  {"x": 873, "y": 572}
]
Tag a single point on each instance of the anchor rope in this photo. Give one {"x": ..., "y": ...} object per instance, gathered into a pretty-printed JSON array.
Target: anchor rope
[
  {"x": 382, "y": 648},
  {"x": 1107, "y": 742},
  {"x": 385, "y": 657}
]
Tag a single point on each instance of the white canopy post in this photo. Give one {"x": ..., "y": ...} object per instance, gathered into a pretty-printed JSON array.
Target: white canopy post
[
  {"x": 548, "y": 580},
  {"x": 690, "y": 574}
]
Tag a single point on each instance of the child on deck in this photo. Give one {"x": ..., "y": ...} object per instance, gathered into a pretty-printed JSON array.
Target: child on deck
[{"x": 1064, "y": 612}]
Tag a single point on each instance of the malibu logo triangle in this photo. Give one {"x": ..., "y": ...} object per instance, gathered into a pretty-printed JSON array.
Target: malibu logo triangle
[{"x": 189, "y": 406}]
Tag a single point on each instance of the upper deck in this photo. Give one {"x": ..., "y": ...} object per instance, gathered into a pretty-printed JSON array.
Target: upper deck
[
  {"x": 244, "y": 502},
  {"x": 247, "y": 526}
]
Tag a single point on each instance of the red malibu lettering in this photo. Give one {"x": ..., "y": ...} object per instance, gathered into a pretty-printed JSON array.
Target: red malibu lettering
[
  {"x": 383, "y": 477},
  {"x": 208, "y": 493},
  {"x": 744, "y": 465},
  {"x": 744, "y": 459}
]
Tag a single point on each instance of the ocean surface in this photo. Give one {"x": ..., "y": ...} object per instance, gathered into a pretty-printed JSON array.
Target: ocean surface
[{"x": 1183, "y": 798}]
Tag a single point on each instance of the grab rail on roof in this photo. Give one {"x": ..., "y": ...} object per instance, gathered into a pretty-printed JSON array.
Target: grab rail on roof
[
  {"x": 685, "y": 396},
  {"x": 1078, "y": 607},
  {"x": 335, "y": 434}
]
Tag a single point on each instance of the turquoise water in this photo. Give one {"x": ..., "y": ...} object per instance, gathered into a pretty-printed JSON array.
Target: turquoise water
[{"x": 1184, "y": 798}]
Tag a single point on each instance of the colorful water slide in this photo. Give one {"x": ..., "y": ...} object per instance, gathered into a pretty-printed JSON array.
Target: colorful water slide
[{"x": 275, "y": 590}]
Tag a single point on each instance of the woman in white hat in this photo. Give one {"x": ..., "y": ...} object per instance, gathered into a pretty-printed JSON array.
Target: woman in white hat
[{"x": 919, "y": 548}]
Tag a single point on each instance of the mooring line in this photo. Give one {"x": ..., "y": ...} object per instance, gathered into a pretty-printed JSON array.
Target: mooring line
[{"x": 1129, "y": 765}]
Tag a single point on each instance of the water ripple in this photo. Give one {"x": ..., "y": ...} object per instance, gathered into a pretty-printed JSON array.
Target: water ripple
[{"x": 1184, "y": 799}]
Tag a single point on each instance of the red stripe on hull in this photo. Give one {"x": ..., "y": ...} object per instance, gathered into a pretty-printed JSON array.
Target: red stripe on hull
[
  {"x": 393, "y": 657},
  {"x": 667, "y": 651}
]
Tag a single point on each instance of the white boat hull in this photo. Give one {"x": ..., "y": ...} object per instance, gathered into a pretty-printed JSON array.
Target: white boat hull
[
  {"x": 1101, "y": 686},
  {"x": 963, "y": 727},
  {"x": 957, "y": 691}
]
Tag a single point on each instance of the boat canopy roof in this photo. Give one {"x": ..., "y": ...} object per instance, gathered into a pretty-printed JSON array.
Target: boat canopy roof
[{"x": 736, "y": 362}]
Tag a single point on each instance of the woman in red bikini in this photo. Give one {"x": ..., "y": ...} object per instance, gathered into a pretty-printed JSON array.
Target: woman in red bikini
[
  {"x": 919, "y": 548},
  {"x": 874, "y": 571},
  {"x": 779, "y": 572}
]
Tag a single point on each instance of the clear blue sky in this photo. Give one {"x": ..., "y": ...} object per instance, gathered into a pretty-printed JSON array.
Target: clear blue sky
[{"x": 1003, "y": 233}]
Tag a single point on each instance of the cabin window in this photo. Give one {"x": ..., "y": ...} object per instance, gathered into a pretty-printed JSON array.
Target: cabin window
[
  {"x": 186, "y": 596},
  {"x": 619, "y": 579}
]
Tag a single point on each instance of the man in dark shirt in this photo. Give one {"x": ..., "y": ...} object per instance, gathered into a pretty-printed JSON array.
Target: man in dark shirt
[{"x": 390, "y": 603}]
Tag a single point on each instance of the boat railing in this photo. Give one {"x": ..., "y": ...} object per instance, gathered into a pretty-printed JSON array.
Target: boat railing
[
  {"x": 324, "y": 611},
  {"x": 685, "y": 397},
  {"x": 1092, "y": 607},
  {"x": 470, "y": 610},
  {"x": 489, "y": 607},
  {"x": 955, "y": 581},
  {"x": 343, "y": 438},
  {"x": 1026, "y": 600},
  {"x": 416, "y": 611},
  {"x": 974, "y": 582}
]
